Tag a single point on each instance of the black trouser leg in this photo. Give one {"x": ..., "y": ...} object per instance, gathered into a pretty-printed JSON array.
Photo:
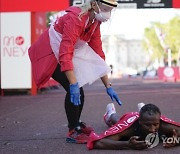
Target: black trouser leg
[
  {"x": 82, "y": 101},
  {"x": 73, "y": 112}
]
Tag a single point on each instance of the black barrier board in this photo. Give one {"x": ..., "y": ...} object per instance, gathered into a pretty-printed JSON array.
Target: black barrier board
[
  {"x": 127, "y": 4},
  {"x": 154, "y": 4},
  {"x": 127, "y": 1},
  {"x": 147, "y": 3}
]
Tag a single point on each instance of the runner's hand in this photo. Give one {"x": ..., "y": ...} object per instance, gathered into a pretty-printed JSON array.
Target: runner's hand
[
  {"x": 169, "y": 145},
  {"x": 137, "y": 145}
]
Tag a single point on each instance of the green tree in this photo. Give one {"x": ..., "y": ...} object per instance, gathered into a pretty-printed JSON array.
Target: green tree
[
  {"x": 152, "y": 44},
  {"x": 48, "y": 14},
  {"x": 172, "y": 36},
  {"x": 169, "y": 37}
]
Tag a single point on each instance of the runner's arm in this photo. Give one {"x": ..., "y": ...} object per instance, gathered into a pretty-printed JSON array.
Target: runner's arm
[
  {"x": 113, "y": 142},
  {"x": 177, "y": 130},
  {"x": 168, "y": 130},
  {"x": 109, "y": 144}
]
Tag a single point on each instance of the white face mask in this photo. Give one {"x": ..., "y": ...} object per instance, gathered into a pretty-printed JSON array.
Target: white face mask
[{"x": 102, "y": 16}]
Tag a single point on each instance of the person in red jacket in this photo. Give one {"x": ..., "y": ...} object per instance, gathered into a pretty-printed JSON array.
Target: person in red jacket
[
  {"x": 136, "y": 130},
  {"x": 70, "y": 52}
]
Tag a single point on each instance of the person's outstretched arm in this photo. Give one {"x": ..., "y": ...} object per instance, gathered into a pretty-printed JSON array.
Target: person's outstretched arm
[
  {"x": 108, "y": 144},
  {"x": 114, "y": 143},
  {"x": 110, "y": 91},
  {"x": 106, "y": 81}
]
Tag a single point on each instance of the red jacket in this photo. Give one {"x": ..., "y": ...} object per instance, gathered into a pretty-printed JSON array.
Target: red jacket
[{"x": 72, "y": 28}]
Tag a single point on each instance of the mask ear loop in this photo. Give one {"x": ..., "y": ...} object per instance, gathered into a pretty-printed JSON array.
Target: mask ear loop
[{"x": 99, "y": 10}]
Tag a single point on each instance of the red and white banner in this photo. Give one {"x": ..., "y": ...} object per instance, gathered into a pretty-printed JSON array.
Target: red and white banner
[
  {"x": 15, "y": 41},
  {"x": 169, "y": 73},
  {"x": 22, "y": 21}
]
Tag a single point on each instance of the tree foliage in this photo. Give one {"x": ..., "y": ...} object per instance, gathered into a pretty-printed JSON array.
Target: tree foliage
[
  {"x": 172, "y": 31},
  {"x": 170, "y": 34}
]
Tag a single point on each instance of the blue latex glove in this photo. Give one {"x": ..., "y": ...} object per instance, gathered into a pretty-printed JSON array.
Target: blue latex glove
[
  {"x": 75, "y": 94},
  {"x": 110, "y": 91}
]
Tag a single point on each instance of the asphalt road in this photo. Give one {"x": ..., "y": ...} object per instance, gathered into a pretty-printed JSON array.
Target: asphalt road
[{"x": 38, "y": 125}]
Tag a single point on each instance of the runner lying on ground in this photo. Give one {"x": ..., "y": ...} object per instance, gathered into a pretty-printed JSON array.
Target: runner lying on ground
[{"x": 136, "y": 130}]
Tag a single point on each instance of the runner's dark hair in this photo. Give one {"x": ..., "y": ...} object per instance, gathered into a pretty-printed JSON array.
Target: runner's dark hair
[{"x": 150, "y": 109}]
